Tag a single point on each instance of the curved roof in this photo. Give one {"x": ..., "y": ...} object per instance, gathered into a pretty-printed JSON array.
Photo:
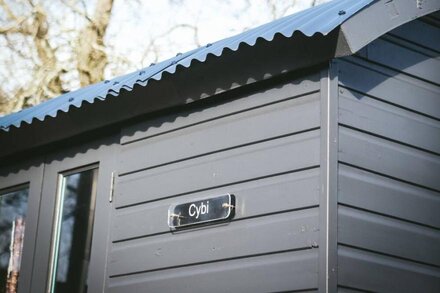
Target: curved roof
[
  {"x": 353, "y": 18},
  {"x": 320, "y": 19}
]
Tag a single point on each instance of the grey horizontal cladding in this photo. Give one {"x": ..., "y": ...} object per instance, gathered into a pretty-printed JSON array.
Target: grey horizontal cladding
[
  {"x": 290, "y": 271},
  {"x": 412, "y": 32},
  {"x": 349, "y": 290},
  {"x": 386, "y": 120},
  {"x": 253, "y": 198},
  {"x": 389, "y": 158},
  {"x": 275, "y": 233},
  {"x": 298, "y": 87},
  {"x": 405, "y": 60},
  {"x": 379, "y": 273},
  {"x": 386, "y": 196},
  {"x": 434, "y": 16},
  {"x": 240, "y": 164},
  {"x": 215, "y": 135},
  {"x": 389, "y": 236},
  {"x": 390, "y": 86}
]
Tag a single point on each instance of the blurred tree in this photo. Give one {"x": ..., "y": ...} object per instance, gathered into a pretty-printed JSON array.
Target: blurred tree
[
  {"x": 25, "y": 28},
  {"x": 51, "y": 47}
]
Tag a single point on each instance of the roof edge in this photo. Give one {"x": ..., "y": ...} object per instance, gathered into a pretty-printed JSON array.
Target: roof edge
[
  {"x": 387, "y": 15},
  {"x": 319, "y": 20}
]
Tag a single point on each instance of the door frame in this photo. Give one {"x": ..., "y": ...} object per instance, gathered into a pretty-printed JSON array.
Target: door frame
[{"x": 12, "y": 178}]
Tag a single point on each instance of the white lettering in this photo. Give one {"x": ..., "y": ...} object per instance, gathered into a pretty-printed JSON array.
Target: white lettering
[
  {"x": 193, "y": 213},
  {"x": 198, "y": 210}
]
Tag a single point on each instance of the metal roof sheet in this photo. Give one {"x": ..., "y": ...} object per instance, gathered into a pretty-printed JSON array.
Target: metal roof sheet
[{"x": 319, "y": 19}]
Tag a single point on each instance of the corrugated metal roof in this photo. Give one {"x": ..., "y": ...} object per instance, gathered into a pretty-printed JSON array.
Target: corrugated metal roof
[{"x": 319, "y": 19}]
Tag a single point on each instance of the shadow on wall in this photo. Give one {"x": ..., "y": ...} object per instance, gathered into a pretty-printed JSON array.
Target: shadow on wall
[
  {"x": 237, "y": 70},
  {"x": 217, "y": 75}
]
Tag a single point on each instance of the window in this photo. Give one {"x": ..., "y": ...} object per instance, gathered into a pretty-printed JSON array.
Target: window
[
  {"x": 73, "y": 229},
  {"x": 13, "y": 208}
]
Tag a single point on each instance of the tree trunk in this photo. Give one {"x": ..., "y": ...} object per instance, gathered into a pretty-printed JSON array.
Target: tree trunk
[
  {"x": 15, "y": 255},
  {"x": 90, "y": 48}
]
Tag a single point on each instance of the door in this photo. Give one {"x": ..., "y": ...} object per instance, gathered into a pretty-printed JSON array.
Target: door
[{"x": 72, "y": 238}]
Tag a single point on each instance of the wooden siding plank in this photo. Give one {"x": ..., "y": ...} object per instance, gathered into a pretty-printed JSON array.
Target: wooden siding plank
[
  {"x": 386, "y": 196},
  {"x": 390, "y": 86},
  {"x": 349, "y": 290},
  {"x": 433, "y": 17},
  {"x": 275, "y": 233},
  {"x": 389, "y": 158},
  {"x": 233, "y": 166},
  {"x": 405, "y": 60},
  {"x": 172, "y": 122},
  {"x": 253, "y": 198},
  {"x": 389, "y": 236},
  {"x": 379, "y": 273},
  {"x": 383, "y": 119},
  {"x": 412, "y": 32},
  {"x": 215, "y": 135},
  {"x": 270, "y": 273}
]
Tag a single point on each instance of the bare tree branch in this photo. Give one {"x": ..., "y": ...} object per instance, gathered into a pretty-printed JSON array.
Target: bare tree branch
[
  {"x": 36, "y": 27},
  {"x": 82, "y": 13},
  {"x": 90, "y": 54},
  {"x": 8, "y": 10},
  {"x": 43, "y": 55}
]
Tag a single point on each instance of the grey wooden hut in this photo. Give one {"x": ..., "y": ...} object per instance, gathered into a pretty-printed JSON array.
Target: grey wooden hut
[{"x": 318, "y": 133}]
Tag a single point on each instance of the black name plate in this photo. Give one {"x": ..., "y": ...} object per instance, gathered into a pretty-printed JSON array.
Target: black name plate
[{"x": 201, "y": 211}]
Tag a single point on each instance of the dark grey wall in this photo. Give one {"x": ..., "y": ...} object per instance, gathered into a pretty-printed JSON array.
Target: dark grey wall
[
  {"x": 265, "y": 149},
  {"x": 389, "y": 163},
  {"x": 275, "y": 148}
]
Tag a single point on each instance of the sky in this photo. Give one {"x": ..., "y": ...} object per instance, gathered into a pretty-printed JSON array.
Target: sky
[{"x": 134, "y": 25}]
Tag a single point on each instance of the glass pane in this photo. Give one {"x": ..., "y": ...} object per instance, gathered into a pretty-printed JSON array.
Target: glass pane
[
  {"x": 13, "y": 208},
  {"x": 75, "y": 225}
]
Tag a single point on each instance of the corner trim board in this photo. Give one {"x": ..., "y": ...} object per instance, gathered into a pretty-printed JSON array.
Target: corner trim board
[{"x": 327, "y": 281}]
